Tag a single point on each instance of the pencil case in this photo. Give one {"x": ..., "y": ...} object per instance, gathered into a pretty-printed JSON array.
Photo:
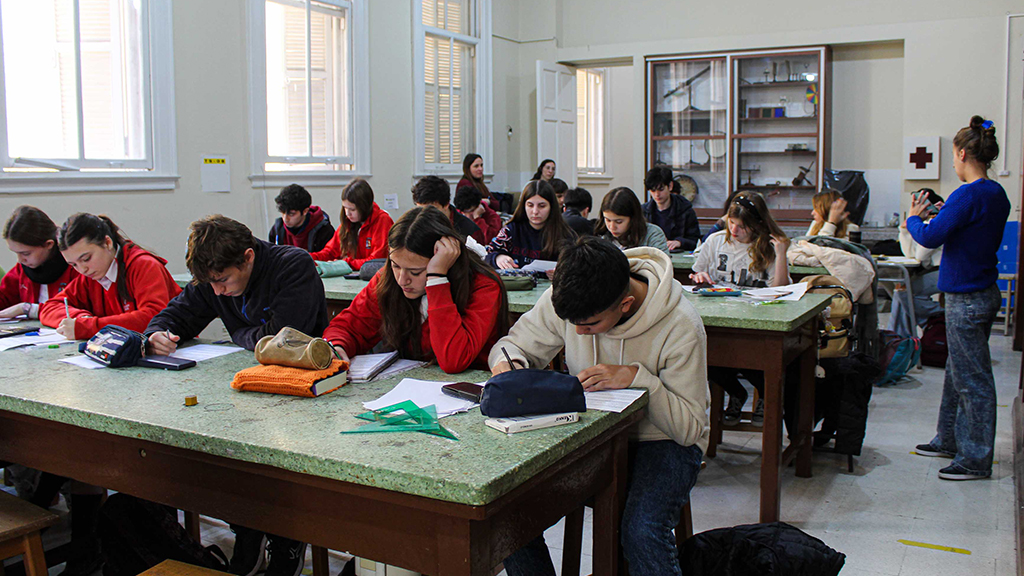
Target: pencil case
[{"x": 531, "y": 391}]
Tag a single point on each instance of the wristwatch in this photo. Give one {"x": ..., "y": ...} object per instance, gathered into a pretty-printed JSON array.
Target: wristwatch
[{"x": 26, "y": 309}]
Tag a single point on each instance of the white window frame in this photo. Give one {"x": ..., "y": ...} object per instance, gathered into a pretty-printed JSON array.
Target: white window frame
[
  {"x": 360, "y": 114},
  {"x": 484, "y": 103},
  {"x": 603, "y": 172},
  {"x": 159, "y": 170}
]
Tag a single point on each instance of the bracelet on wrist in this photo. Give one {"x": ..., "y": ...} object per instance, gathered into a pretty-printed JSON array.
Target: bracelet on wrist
[{"x": 436, "y": 275}]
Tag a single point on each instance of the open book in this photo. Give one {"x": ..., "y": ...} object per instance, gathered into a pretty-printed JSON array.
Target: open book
[{"x": 366, "y": 367}]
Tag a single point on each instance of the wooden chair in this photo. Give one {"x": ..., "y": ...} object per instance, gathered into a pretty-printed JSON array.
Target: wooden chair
[
  {"x": 717, "y": 413},
  {"x": 20, "y": 526},
  {"x": 175, "y": 568}
]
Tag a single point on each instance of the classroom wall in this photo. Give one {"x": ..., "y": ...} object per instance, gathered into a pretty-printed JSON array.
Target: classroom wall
[{"x": 953, "y": 66}]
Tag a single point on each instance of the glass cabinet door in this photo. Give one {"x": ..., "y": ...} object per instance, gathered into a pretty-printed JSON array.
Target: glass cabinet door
[
  {"x": 777, "y": 128},
  {"x": 689, "y": 125}
]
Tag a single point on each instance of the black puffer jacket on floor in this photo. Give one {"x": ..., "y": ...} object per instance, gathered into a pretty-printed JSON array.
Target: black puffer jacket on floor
[{"x": 775, "y": 549}]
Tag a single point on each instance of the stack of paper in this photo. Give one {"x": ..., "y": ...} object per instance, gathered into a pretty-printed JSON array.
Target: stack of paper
[
  {"x": 422, "y": 393},
  {"x": 791, "y": 292},
  {"x": 45, "y": 337},
  {"x": 197, "y": 352},
  {"x": 612, "y": 400}
]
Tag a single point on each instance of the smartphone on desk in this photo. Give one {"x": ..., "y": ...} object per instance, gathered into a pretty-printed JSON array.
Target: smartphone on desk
[
  {"x": 464, "y": 390},
  {"x": 166, "y": 362}
]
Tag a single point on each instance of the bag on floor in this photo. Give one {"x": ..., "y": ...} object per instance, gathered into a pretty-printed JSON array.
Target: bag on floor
[
  {"x": 934, "y": 349},
  {"x": 137, "y": 534},
  {"x": 899, "y": 354}
]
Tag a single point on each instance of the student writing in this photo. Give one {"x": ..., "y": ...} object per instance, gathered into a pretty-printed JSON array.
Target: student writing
[
  {"x": 363, "y": 232},
  {"x": 535, "y": 232},
  {"x": 301, "y": 224},
  {"x": 119, "y": 282},
  {"x": 434, "y": 299},
  {"x": 632, "y": 329},
  {"x": 41, "y": 271},
  {"x": 576, "y": 206},
  {"x": 622, "y": 222}
]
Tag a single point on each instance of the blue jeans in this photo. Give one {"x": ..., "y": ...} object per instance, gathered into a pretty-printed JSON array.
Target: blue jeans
[
  {"x": 661, "y": 474},
  {"x": 967, "y": 413}
]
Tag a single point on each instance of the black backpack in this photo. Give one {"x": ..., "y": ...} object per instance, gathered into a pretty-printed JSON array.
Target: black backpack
[
  {"x": 934, "y": 349},
  {"x": 137, "y": 534}
]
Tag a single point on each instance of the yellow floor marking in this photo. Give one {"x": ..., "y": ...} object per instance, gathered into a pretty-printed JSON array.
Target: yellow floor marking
[{"x": 935, "y": 547}]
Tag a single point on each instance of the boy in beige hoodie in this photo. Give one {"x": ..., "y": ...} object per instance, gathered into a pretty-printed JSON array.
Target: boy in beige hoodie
[{"x": 624, "y": 322}]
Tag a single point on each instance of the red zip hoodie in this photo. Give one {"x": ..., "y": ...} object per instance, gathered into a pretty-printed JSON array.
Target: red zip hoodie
[
  {"x": 16, "y": 286},
  {"x": 457, "y": 341},
  {"x": 92, "y": 307},
  {"x": 371, "y": 243}
]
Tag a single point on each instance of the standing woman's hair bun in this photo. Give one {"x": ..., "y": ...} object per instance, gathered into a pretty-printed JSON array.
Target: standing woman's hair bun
[{"x": 979, "y": 140}]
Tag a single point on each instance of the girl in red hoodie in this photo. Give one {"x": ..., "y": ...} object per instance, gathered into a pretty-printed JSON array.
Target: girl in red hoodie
[
  {"x": 119, "y": 282},
  {"x": 41, "y": 271},
  {"x": 434, "y": 299},
  {"x": 363, "y": 231}
]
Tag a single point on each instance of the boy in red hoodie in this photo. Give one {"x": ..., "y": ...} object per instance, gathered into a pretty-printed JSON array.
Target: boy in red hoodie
[
  {"x": 300, "y": 224},
  {"x": 119, "y": 282},
  {"x": 363, "y": 232}
]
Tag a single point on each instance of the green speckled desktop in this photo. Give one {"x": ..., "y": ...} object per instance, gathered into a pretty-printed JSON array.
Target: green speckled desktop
[{"x": 298, "y": 434}]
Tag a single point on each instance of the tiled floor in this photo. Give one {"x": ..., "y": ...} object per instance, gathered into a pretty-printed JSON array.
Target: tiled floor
[{"x": 892, "y": 495}]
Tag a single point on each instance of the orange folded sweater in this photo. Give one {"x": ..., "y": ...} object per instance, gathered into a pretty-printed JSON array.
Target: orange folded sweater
[{"x": 274, "y": 379}]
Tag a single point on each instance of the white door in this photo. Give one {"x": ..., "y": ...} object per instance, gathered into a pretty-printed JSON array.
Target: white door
[{"x": 556, "y": 118}]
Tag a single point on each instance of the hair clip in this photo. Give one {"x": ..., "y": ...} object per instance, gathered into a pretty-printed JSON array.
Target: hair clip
[{"x": 986, "y": 124}]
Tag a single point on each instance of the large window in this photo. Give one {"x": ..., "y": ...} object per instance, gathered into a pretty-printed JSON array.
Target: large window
[
  {"x": 591, "y": 91},
  {"x": 307, "y": 58},
  {"x": 79, "y": 78},
  {"x": 453, "y": 71}
]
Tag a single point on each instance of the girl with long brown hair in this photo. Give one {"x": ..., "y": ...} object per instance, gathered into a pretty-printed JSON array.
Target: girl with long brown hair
[
  {"x": 537, "y": 230},
  {"x": 119, "y": 283},
  {"x": 434, "y": 299},
  {"x": 622, "y": 222},
  {"x": 41, "y": 271},
  {"x": 751, "y": 251},
  {"x": 363, "y": 227},
  {"x": 830, "y": 215},
  {"x": 473, "y": 175}
]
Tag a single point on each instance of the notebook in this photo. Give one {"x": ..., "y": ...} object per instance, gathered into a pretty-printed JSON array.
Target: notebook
[{"x": 366, "y": 367}]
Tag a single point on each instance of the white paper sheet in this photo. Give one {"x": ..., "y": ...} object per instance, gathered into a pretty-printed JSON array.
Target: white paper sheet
[
  {"x": 423, "y": 393},
  {"x": 790, "y": 293},
  {"x": 46, "y": 337},
  {"x": 83, "y": 361},
  {"x": 15, "y": 319},
  {"x": 400, "y": 365},
  {"x": 200, "y": 352},
  {"x": 612, "y": 400},
  {"x": 539, "y": 266}
]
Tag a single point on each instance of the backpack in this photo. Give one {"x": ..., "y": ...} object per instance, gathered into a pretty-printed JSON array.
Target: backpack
[
  {"x": 899, "y": 354},
  {"x": 933, "y": 342},
  {"x": 137, "y": 534}
]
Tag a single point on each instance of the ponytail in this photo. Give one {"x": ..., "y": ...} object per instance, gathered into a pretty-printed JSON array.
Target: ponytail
[
  {"x": 978, "y": 140},
  {"x": 94, "y": 230}
]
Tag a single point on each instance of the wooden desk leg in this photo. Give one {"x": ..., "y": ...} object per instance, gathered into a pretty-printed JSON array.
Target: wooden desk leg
[
  {"x": 771, "y": 444},
  {"x": 192, "y": 525},
  {"x": 805, "y": 432},
  {"x": 608, "y": 505},
  {"x": 321, "y": 565},
  {"x": 572, "y": 542},
  {"x": 35, "y": 561}
]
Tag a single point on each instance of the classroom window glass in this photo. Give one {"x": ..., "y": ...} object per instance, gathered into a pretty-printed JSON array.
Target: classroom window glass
[
  {"x": 308, "y": 86},
  {"x": 76, "y": 85},
  {"x": 590, "y": 120}
]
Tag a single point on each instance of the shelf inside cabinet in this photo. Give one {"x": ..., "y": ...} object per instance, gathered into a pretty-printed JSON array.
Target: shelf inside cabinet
[
  {"x": 781, "y": 153},
  {"x": 781, "y": 135},
  {"x": 773, "y": 187},
  {"x": 691, "y": 137},
  {"x": 782, "y": 119},
  {"x": 803, "y": 83}
]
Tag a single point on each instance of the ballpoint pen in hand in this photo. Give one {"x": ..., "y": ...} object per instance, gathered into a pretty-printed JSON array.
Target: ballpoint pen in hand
[
  {"x": 67, "y": 313},
  {"x": 508, "y": 358}
]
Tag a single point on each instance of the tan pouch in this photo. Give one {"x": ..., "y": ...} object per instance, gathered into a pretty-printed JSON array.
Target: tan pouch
[{"x": 289, "y": 347}]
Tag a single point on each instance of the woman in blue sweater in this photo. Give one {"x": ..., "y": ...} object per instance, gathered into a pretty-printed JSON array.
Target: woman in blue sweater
[
  {"x": 969, "y": 227},
  {"x": 536, "y": 231}
]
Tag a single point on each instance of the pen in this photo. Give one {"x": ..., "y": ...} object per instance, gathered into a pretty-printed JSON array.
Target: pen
[
  {"x": 507, "y": 357},
  {"x": 67, "y": 313}
]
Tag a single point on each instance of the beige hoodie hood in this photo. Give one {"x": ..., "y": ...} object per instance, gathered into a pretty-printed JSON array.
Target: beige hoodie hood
[{"x": 664, "y": 339}]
